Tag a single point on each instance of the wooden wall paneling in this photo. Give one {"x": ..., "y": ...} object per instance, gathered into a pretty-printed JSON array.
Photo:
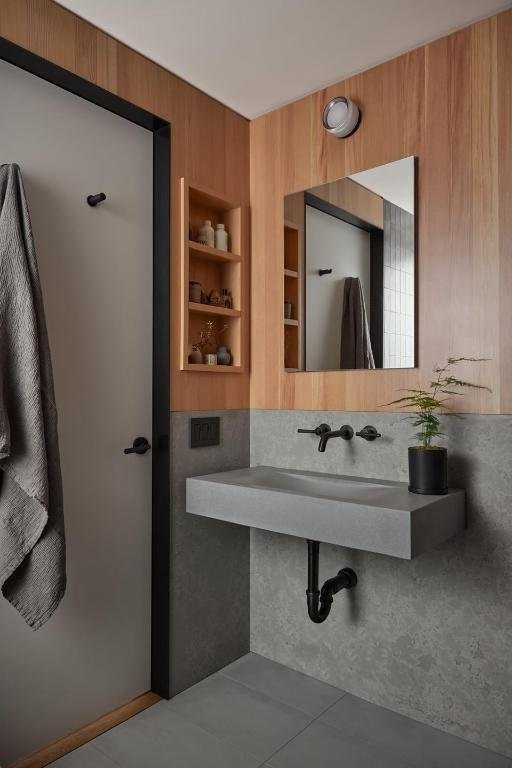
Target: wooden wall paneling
[
  {"x": 185, "y": 268},
  {"x": 266, "y": 268},
  {"x": 210, "y": 147},
  {"x": 504, "y": 57},
  {"x": 447, "y": 103}
]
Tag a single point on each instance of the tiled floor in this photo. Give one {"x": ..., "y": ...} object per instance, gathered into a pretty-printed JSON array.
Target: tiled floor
[{"x": 258, "y": 713}]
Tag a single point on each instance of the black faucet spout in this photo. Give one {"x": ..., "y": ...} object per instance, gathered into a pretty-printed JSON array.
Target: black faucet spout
[{"x": 345, "y": 432}]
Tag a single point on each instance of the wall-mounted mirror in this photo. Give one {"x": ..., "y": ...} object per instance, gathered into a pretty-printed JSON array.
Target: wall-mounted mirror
[{"x": 349, "y": 272}]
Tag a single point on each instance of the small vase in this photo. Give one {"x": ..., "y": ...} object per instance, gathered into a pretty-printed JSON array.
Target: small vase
[
  {"x": 221, "y": 238},
  {"x": 195, "y": 356},
  {"x": 194, "y": 291},
  {"x": 206, "y": 235},
  {"x": 223, "y": 356},
  {"x": 210, "y": 359},
  {"x": 428, "y": 471},
  {"x": 215, "y": 298}
]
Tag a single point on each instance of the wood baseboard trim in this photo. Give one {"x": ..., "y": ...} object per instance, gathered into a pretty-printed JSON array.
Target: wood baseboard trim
[{"x": 66, "y": 744}]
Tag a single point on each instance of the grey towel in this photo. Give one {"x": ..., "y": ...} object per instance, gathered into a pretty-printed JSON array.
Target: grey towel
[
  {"x": 356, "y": 347},
  {"x": 32, "y": 548}
]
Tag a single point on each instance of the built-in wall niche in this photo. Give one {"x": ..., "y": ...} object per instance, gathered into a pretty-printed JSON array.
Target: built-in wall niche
[
  {"x": 212, "y": 271},
  {"x": 349, "y": 272}
]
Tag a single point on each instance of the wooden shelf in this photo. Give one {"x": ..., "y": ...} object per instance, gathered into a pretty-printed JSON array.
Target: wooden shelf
[
  {"x": 293, "y": 272},
  {"x": 291, "y": 370},
  {"x": 197, "y": 367},
  {"x": 212, "y": 254},
  {"x": 211, "y": 309},
  {"x": 214, "y": 270}
]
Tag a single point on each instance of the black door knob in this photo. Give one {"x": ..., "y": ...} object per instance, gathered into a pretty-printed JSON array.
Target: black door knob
[{"x": 140, "y": 445}]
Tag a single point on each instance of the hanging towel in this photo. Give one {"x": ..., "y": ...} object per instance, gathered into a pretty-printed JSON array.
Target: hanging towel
[
  {"x": 32, "y": 547},
  {"x": 356, "y": 347}
]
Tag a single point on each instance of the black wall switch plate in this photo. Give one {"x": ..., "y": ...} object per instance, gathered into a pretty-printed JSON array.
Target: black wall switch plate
[{"x": 205, "y": 431}]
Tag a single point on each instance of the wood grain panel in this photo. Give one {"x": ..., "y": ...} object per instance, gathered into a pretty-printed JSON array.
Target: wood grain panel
[
  {"x": 72, "y": 741},
  {"x": 448, "y": 103},
  {"x": 504, "y": 57},
  {"x": 210, "y": 147}
]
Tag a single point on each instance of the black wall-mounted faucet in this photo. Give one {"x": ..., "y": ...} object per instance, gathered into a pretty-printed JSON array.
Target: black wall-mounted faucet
[
  {"x": 320, "y": 430},
  {"x": 369, "y": 433},
  {"x": 345, "y": 432}
]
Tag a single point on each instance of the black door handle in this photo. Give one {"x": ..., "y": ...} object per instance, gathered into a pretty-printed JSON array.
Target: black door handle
[{"x": 140, "y": 445}]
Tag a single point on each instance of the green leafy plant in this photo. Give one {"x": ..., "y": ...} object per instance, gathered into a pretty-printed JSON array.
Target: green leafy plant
[{"x": 428, "y": 402}]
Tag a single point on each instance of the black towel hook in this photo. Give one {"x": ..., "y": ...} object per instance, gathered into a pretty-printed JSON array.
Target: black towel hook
[
  {"x": 324, "y": 272},
  {"x": 93, "y": 200}
]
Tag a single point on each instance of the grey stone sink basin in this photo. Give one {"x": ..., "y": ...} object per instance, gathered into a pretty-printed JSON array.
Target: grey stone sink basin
[
  {"x": 324, "y": 486},
  {"x": 361, "y": 513}
]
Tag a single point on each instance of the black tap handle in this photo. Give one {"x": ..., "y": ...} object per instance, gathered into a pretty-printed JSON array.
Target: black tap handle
[
  {"x": 369, "y": 433},
  {"x": 320, "y": 430}
]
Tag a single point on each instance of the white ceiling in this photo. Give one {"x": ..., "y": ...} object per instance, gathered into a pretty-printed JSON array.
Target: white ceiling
[{"x": 255, "y": 55}]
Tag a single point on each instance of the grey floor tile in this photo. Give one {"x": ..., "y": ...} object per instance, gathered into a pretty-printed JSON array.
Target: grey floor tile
[
  {"x": 159, "y": 738},
  {"x": 85, "y": 757},
  {"x": 250, "y": 720},
  {"x": 321, "y": 746},
  {"x": 283, "y": 684},
  {"x": 419, "y": 745}
]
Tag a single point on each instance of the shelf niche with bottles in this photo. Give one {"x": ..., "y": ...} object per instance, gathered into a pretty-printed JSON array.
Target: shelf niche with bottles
[{"x": 214, "y": 270}]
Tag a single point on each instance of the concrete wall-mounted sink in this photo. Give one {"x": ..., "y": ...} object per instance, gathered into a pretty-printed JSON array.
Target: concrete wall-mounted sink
[{"x": 361, "y": 513}]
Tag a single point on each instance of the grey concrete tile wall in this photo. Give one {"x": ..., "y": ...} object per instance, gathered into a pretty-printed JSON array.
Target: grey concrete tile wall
[
  {"x": 209, "y": 559},
  {"x": 430, "y": 638}
]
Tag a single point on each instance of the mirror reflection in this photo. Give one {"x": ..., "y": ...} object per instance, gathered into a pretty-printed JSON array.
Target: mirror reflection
[{"x": 349, "y": 272}]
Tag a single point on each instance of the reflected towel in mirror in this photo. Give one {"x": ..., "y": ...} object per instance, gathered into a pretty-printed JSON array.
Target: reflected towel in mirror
[{"x": 356, "y": 347}]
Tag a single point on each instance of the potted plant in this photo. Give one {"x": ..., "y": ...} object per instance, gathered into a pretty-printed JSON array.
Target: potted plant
[{"x": 427, "y": 461}]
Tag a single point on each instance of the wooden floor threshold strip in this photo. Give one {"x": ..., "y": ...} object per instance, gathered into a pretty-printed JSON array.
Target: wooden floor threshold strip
[{"x": 66, "y": 744}]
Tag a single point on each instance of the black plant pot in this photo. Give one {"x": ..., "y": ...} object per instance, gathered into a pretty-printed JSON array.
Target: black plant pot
[{"x": 428, "y": 471}]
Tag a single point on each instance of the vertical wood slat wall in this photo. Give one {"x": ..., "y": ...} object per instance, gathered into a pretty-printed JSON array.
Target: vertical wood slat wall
[
  {"x": 210, "y": 148},
  {"x": 450, "y": 104}
]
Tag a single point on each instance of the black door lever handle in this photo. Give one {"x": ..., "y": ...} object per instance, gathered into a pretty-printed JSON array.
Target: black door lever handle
[{"x": 140, "y": 445}]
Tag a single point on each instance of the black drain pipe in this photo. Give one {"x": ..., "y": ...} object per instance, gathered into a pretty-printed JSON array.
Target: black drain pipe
[{"x": 320, "y": 601}]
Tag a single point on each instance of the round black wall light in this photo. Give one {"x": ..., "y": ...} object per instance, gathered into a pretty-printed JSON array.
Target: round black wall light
[{"x": 341, "y": 117}]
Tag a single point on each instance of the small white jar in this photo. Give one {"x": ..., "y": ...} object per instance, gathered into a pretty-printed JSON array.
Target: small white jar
[
  {"x": 221, "y": 238},
  {"x": 206, "y": 235}
]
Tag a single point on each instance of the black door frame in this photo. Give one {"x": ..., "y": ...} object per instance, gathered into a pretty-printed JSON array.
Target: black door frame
[
  {"x": 376, "y": 267},
  {"x": 160, "y": 516}
]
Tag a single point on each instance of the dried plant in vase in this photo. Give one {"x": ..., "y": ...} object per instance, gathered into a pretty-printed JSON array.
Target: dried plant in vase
[
  {"x": 209, "y": 337},
  {"x": 428, "y": 462}
]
